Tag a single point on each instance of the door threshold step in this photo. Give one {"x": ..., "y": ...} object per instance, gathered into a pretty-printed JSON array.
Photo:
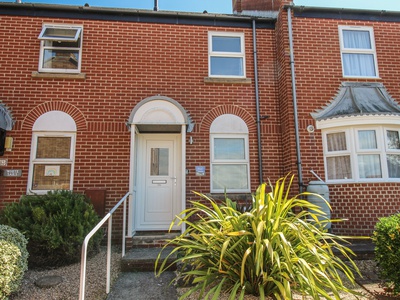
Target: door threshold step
[
  {"x": 143, "y": 259},
  {"x": 152, "y": 239}
]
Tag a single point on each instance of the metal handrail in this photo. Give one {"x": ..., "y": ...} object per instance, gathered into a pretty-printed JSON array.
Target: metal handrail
[{"x": 86, "y": 242}]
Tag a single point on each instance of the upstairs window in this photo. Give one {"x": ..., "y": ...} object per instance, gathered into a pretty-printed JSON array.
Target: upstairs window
[
  {"x": 60, "y": 49},
  {"x": 229, "y": 155},
  {"x": 226, "y": 54},
  {"x": 362, "y": 154},
  {"x": 358, "y": 52}
]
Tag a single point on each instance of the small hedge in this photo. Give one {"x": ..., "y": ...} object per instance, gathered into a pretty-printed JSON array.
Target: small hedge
[
  {"x": 13, "y": 260},
  {"x": 386, "y": 238},
  {"x": 56, "y": 225}
]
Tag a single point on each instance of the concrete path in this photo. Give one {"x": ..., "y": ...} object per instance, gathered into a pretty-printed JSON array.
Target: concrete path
[{"x": 143, "y": 286}]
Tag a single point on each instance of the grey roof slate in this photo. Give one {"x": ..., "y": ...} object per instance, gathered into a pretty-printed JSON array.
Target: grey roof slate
[{"x": 358, "y": 99}]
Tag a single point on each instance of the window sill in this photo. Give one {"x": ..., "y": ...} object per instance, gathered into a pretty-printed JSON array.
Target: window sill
[
  {"x": 79, "y": 76},
  {"x": 227, "y": 80}
]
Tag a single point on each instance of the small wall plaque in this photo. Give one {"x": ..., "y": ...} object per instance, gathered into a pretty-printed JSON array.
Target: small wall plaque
[
  {"x": 200, "y": 170},
  {"x": 3, "y": 162},
  {"x": 12, "y": 173}
]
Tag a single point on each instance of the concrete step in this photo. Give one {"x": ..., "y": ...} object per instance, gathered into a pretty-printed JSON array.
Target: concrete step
[
  {"x": 363, "y": 249},
  {"x": 152, "y": 239},
  {"x": 143, "y": 259}
]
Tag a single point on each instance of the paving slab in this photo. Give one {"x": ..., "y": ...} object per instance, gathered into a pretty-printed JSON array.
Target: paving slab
[{"x": 143, "y": 286}]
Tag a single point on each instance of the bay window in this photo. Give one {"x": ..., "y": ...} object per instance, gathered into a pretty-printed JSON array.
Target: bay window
[{"x": 362, "y": 154}]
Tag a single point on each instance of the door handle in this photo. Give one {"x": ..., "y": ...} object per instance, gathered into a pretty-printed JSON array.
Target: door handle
[{"x": 174, "y": 179}]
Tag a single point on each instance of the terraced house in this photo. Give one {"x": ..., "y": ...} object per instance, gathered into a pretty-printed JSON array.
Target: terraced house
[{"x": 108, "y": 101}]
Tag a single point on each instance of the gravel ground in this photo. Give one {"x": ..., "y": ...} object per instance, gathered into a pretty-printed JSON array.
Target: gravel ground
[{"x": 68, "y": 289}]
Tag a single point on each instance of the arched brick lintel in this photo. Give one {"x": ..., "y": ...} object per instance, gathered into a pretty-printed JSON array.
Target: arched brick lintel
[
  {"x": 227, "y": 109},
  {"x": 76, "y": 114}
]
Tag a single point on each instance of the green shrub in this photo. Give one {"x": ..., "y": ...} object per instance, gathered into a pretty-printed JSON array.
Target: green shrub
[
  {"x": 266, "y": 251},
  {"x": 13, "y": 260},
  {"x": 386, "y": 238},
  {"x": 55, "y": 225}
]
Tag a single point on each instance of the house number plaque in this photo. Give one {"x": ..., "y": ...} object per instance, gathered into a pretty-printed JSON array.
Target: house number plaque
[
  {"x": 12, "y": 173},
  {"x": 3, "y": 162}
]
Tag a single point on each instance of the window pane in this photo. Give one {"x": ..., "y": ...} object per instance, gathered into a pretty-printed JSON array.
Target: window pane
[
  {"x": 336, "y": 141},
  {"x": 367, "y": 139},
  {"x": 369, "y": 166},
  {"x": 229, "y": 177},
  {"x": 53, "y": 147},
  {"x": 232, "y": 66},
  {"x": 358, "y": 64},
  {"x": 159, "y": 162},
  {"x": 229, "y": 148},
  {"x": 62, "y": 44},
  {"x": 393, "y": 141},
  {"x": 60, "y": 33},
  {"x": 356, "y": 39},
  {"x": 226, "y": 44},
  {"x": 393, "y": 162},
  {"x": 60, "y": 59},
  {"x": 339, "y": 167},
  {"x": 51, "y": 177}
]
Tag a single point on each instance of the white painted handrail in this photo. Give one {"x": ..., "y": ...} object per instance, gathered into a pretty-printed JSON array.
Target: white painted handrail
[{"x": 86, "y": 242}]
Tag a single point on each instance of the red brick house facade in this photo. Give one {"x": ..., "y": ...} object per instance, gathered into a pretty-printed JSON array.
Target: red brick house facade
[
  {"x": 163, "y": 103},
  {"x": 348, "y": 116}
]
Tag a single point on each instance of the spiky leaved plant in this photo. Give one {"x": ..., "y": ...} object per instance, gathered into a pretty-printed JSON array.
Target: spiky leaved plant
[{"x": 267, "y": 251}]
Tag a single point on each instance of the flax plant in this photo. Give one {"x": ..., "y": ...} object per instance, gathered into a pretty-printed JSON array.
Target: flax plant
[{"x": 268, "y": 251}]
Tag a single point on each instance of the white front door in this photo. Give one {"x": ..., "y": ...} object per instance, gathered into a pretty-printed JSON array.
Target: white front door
[{"x": 158, "y": 181}]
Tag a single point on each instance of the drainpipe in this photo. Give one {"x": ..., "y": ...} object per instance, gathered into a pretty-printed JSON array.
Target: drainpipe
[
  {"x": 296, "y": 119},
  {"x": 260, "y": 167}
]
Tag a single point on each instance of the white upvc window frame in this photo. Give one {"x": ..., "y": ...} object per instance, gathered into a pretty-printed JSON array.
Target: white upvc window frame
[
  {"x": 342, "y": 153},
  {"x": 241, "y": 162},
  {"x": 354, "y": 150},
  {"x": 50, "y": 161},
  {"x": 226, "y": 54},
  {"x": 372, "y": 51},
  {"x": 46, "y": 46}
]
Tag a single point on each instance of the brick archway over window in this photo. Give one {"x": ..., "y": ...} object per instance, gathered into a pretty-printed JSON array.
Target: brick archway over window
[
  {"x": 227, "y": 109},
  {"x": 39, "y": 110}
]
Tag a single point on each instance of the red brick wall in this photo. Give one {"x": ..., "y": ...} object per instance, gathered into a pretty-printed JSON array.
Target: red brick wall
[
  {"x": 318, "y": 77},
  {"x": 124, "y": 63}
]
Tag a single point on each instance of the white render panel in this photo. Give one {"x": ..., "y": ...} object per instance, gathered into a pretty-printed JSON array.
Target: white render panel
[{"x": 55, "y": 121}]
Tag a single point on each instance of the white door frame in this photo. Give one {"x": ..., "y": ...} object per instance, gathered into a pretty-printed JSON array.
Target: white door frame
[
  {"x": 170, "y": 184},
  {"x": 134, "y": 169},
  {"x": 157, "y": 110}
]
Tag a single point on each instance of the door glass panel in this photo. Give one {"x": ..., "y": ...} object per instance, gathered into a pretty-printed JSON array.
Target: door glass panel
[{"x": 159, "y": 162}]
